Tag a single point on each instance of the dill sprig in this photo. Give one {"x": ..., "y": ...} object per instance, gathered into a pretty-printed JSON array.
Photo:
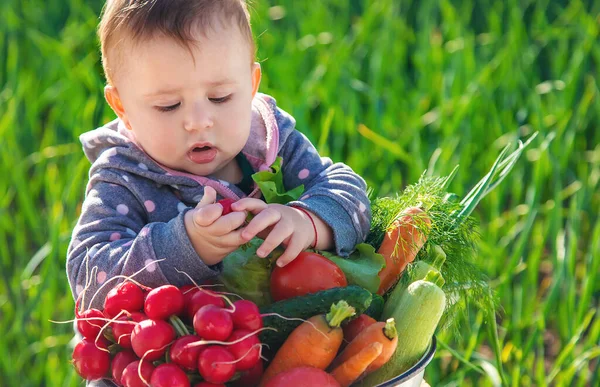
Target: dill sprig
[
  {"x": 464, "y": 280},
  {"x": 452, "y": 228}
]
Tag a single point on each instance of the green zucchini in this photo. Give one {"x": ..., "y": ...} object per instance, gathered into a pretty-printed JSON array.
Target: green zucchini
[
  {"x": 417, "y": 315},
  {"x": 304, "y": 307},
  {"x": 376, "y": 307},
  {"x": 418, "y": 271}
]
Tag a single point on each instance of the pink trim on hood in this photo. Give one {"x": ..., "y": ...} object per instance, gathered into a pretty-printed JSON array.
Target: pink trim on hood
[{"x": 265, "y": 106}]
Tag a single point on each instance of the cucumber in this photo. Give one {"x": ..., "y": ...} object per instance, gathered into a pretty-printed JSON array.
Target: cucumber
[
  {"x": 417, "y": 315},
  {"x": 418, "y": 271},
  {"x": 304, "y": 307},
  {"x": 376, "y": 308}
]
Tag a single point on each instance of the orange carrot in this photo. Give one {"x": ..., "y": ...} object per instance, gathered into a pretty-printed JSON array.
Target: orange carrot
[
  {"x": 354, "y": 327},
  {"x": 381, "y": 332},
  {"x": 314, "y": 343},
  {"x": 401, "y": 243},
  {"x": 350, "y": 370}
]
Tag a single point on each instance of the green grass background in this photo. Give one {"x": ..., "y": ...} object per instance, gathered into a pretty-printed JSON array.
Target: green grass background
[{"x": 390, "y": 87}]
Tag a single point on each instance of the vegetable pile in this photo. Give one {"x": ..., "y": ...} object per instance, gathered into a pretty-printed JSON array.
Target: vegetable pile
[{"x": 320, "y": 320}]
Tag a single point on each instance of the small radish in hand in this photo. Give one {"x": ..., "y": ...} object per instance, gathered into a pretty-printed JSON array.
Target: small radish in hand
[
  {"x": 246, "y": 352},
  {"x": 169, "y": 375},
  {"x": 123, "y": 326},
  {"x": 89, "y": 322},
  {"x": 213, "y": 323},
  {"x": 125, "y": 296},
  {"x": 184, "y": 355},
  {"x": 201, "y": 298},
  {"x": 216, "y": 364},
  {"x": 150, "y": 338},
  {"x": 226, "y": 203},
  {"x": 91, "y": 362},
  {"x": 246, "y": 315},
  {"x": 163, "y": 302},
  {"x": 119, "y": 362},
  {"x": 131, "y": 378}
]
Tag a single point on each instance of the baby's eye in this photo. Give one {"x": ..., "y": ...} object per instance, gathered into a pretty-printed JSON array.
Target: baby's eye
[
  {"x": 221, "y": 99},
  {"x": 168, "y": 108}
]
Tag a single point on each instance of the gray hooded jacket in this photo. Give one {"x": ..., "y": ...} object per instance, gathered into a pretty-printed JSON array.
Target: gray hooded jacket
[
  {"x": 134, "y": 207},
  {"x": 133, "y": 210}
]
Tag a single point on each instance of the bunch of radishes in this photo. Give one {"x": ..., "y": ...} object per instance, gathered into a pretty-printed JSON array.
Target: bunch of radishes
[{"x": 142, "y": 337}]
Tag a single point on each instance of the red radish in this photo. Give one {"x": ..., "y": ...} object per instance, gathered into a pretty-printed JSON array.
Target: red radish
[
  {"x": 123, "y": 326},
  {"x": 131, "y": 378},
  {"x": 184, "y": 355},
  {"x": 119, "y": 362},
  {"x": 246, "y": 315},
  {"x": 150, "y": 338},
  {"x": 208, "y": 384},
  {"x": 163, "y": 302},
  {"x": 251, "y": 377},
  {"x": 226, "y": 203},
  {"x": 354, "y": 327},
  {"x": 125, "y": 296},
  {"x": 216, "y": 364},
  {"x": 90, "y": 328},
  {"x": 247, "y": 351},
  {"x": 91, "y": 362},
  {"x": 169, "y": 375},
  {"x": 213, "y": 323},
  {"x": 188, "y": 291},
  {"x": 302, "y": 377},
  {"x": 201, "y": 298}
]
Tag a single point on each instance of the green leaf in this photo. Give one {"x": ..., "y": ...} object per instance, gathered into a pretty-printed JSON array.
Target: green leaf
[
  {"x": 361, "y": 267},
  {"x": 272, "y": 187}
]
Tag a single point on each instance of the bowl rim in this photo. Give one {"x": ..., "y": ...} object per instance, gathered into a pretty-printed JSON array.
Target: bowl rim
[{"x": 414, "y": 370}]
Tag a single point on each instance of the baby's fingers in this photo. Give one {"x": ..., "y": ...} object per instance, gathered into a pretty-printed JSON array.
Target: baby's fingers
[
  {"x": 249, "y": 204},
  {"x": 228, "y": 223},
  {"x": 292, "y": 250},
  {"x": 207, "y": 215},
  {"x": 279, "y": 234},
  {"x": 232, "y": 240},
  {"x": 260, "y": 222},
  {"x": 209, "y": 197}
]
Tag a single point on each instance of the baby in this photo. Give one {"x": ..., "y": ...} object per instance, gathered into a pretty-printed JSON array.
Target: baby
[{"x": 191, "y": 129}]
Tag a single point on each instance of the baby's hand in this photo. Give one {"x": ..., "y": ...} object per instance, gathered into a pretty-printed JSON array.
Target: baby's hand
[
  {"x": 212, "y": 235},
  {"x": 277, "y": 224}
]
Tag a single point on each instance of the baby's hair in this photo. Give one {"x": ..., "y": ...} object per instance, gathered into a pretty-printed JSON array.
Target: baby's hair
[{"x": 141, "y": 20}]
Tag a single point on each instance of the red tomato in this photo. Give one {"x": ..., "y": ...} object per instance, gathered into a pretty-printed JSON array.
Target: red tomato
[{"x": 308, "y": 273}]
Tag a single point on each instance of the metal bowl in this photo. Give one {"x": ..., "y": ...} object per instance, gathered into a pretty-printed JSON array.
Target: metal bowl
[{"x": 413, "y": 377}]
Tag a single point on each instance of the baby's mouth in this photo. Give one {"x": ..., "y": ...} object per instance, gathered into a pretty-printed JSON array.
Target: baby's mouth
[{"x": 202, "y": 154}]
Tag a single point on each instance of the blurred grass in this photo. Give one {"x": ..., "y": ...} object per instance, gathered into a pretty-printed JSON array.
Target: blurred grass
[{"x": 390, "y": 87}]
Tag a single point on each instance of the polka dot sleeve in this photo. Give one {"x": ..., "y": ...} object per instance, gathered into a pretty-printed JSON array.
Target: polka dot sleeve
[
  {"x": 114, "y": 237},
  {"x": 333, "y": 191}
]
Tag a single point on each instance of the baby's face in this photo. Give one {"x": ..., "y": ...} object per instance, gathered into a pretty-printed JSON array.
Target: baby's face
[{"x": 190, "y": 114}]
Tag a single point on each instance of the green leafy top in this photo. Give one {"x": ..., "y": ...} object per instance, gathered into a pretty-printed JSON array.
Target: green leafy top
[
  {"x": 271, "y": 185},
  {"x": 463, "y": 278},
  {"x": 452, "y": 228}
]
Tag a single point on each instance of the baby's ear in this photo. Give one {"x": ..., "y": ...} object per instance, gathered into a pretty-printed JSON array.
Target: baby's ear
[
  {"x": 256, "y": 76},
  {"x": 112, "y": 97}
]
